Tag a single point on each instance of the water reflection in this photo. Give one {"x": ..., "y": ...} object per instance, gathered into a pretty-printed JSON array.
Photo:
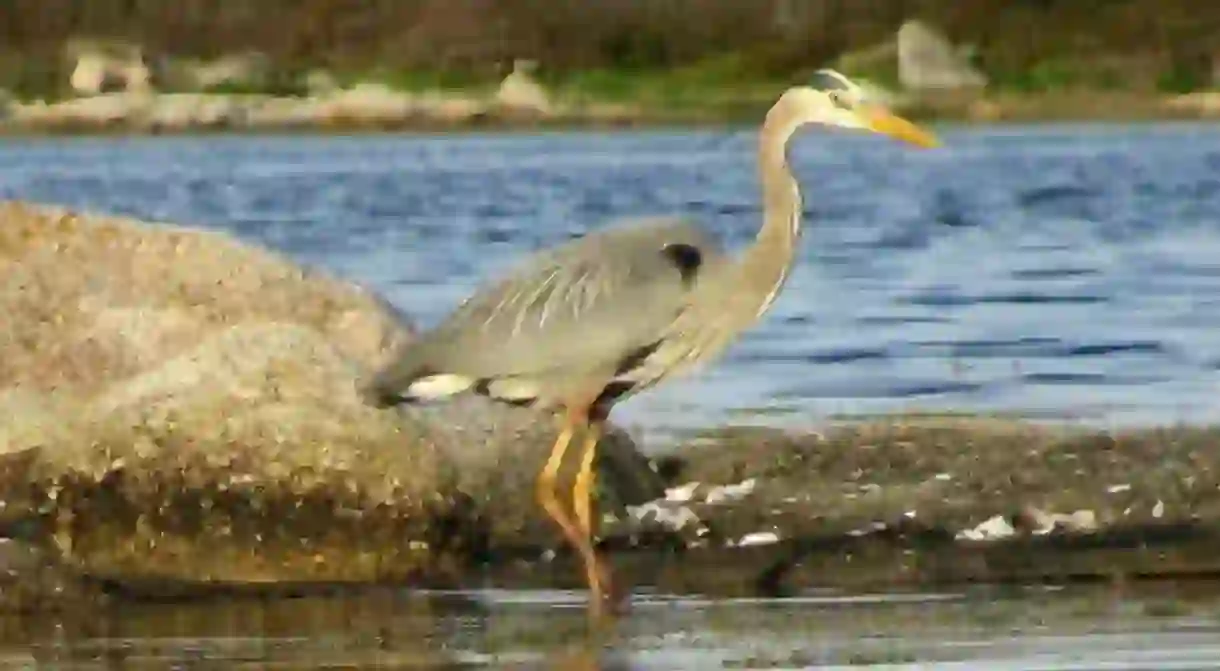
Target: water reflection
[{"x": 1158, "y": 627}]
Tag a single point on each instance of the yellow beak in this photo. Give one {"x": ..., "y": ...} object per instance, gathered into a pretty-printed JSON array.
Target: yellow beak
[{"x": 883, "y": 121}]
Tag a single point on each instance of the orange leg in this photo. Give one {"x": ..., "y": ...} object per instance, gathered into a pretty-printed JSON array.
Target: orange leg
[
  {"x": 597, "y": 572},
  {"x": 546, "y": 486},
  {"x": 578, "y": 533}
]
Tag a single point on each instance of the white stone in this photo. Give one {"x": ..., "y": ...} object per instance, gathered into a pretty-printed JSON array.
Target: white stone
[
  {"x": 520, "y": 91},
  {"x": 928, "y": 61}
]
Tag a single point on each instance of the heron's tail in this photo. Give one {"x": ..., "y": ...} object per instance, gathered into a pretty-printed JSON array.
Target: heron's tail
[{"x": 408, "y": 378}]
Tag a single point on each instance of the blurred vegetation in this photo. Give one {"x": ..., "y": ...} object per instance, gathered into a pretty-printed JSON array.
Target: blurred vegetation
[{"x": 629, "y": 48}]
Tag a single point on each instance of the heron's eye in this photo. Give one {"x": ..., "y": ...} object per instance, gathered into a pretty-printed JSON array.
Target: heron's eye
[{"x": 838, "y": 99}]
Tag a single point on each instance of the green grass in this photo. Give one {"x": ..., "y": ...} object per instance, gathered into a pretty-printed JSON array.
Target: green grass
[
  {"x": 719, "y": 86},
  {"x": 713, "y": 79},
  {"x": 1054, "y": 75},
  {"x": 33, "y": 77},
  {"x": 287, "y": 87},
  {"x": 417, "y": 80}
]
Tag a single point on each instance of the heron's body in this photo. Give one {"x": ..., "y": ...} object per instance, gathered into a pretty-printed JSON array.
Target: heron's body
[
  {"x": 544, "y": 331},
  {"x": 585, "y": 324}
]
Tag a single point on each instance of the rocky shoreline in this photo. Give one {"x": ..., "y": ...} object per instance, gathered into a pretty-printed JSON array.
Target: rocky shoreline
[
  {"x": 180, "y": 420},
  {"x": 378, "y": 109},
  {"x": 789, "y": 526},
  {"x": 365, "y": 107},
  {"x": 121, "y": 87}
]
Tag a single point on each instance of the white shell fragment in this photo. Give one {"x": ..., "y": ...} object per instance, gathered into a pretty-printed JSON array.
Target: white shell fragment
[
  {"x": 1079, "y": 521},
  {"x": 681, "y": 494},
  {"x": 730, "y": 492},
  {"x": 675, "y": 518},
  {"x": 758, "y": 538},
  {"x": 995, "y": 528}
]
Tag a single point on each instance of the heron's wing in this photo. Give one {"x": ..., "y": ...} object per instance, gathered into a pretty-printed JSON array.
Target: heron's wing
[{"x": 584, "y": 305}]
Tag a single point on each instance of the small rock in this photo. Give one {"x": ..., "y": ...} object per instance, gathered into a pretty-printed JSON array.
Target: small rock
[
  {"x": 520, "y": 92},
  {"x": 104, "y": 109},
  {"x": 927, "y": 61},
  {"x": 320, "y": 83},
  {"x": 251, "y": 70},
  {"x": 180, "y": 111},
  {"x": 1203, "y": 103},
  {"x": 108, "y": 67},
  {"x": 369, "y": 102}
]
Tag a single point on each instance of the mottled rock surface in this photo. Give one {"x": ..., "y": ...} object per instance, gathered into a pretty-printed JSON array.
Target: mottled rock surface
[
  {"x": 919, "y": 501},
  {"x": 179, "y": 406}
]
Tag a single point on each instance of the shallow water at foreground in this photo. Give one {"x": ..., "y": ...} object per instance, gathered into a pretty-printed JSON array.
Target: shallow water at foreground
[
  {"x": 1051, "y": 271},
  {"x": 1163, "y": 627}
]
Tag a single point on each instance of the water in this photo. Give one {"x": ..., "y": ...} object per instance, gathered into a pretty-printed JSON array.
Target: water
[
  {"x": 1051, "y": 272},
  {"x": 1037, "y": 628}
]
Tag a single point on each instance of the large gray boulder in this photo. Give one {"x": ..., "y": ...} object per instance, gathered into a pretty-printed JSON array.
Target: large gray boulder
[{"x": 179, "y": 406}]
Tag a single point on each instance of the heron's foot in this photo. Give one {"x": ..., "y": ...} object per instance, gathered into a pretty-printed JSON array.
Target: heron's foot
[{"x": 605, "y": 599}]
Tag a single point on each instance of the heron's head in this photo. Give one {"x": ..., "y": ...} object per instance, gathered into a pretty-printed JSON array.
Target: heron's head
[{"x": 830, "y": 99}]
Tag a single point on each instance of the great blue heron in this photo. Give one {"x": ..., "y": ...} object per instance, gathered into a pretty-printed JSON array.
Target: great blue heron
[{"x": 588, "y": 323}]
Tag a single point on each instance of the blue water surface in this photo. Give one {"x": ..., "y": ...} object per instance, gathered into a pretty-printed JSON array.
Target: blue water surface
[{"x": 1060, "y": 271}]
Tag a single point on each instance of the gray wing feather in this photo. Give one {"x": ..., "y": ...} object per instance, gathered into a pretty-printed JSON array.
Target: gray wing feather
[{"x": 583, "y": 305}]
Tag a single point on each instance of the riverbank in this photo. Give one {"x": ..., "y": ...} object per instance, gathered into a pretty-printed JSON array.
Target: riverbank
[
  {"x": 181, "y": 420},
  {"x": 289, "y": 67},
  {"x": 894, "y": 505},
  {"x": 383, "y": 110}
]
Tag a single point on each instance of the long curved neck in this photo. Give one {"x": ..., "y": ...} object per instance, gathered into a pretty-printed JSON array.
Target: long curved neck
[
  {"x": 765, "y": 263},
  {"x": 780, "y": 190}
]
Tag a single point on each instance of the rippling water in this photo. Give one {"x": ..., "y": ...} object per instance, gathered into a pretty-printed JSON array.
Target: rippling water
[{"x": 1058, "y": 271}]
